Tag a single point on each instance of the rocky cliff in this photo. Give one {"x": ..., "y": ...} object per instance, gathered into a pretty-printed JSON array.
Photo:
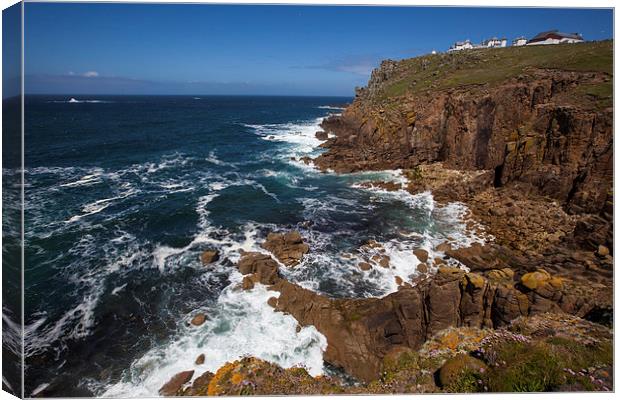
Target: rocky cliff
[{"x": 540, "y": 115}]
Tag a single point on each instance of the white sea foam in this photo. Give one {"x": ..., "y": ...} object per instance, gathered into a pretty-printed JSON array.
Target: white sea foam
[
  {"x": 213, "y": 159},
  {"x": 85, "y": 180},
  {"x": 435, "y": 225},
  {"x": 241, "y": 325},
  {"x": 299, "y": 136},
  {"x": 99, "y": 205},
  {"x": 39, "y": 389},
  {"x": 331, "y": 107},
  {"x": 119, "y": 255}
]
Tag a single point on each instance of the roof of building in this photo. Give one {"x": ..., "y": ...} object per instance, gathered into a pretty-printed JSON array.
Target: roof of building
[{"x": 555, "y": 34}]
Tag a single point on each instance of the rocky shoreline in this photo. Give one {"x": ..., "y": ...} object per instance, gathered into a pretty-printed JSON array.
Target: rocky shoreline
[
  {"x": 531, "y": 155},
  {"x": 442, "y": 319}
]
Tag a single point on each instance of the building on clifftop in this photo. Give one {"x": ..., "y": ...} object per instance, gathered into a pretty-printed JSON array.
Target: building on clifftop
[
  {"x": 555, "y": 37},
  {"x": 494, "y": 42},
  {"x": 520, "y": 41},
  {"x": 464, "y": 45}
]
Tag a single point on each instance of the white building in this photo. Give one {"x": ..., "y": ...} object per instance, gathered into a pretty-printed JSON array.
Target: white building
[
  {"x": 555, "y": 37},
  {"x": 520, "y": 41},
  {"x": 494, "y": 42},
  {"x": 464, "y": 45}
]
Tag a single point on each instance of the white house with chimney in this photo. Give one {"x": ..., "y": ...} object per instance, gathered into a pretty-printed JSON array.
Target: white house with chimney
[{"x": 520, "y": 41}]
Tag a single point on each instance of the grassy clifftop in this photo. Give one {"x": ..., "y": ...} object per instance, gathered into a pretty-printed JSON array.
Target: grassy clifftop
[{"x": 490, "y": 66}]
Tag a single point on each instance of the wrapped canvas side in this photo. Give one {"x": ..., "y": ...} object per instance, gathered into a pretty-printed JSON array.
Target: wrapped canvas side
[{"x": 12, "y": 201}]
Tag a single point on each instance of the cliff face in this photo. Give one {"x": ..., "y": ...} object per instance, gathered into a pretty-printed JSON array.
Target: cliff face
[{"x": 549, "y": 127}]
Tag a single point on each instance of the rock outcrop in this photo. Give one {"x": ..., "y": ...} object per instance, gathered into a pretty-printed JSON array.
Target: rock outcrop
[
  {"x": 174, "y": 385},
  {"x": 209, "y": 256},
  {"x": 289, "y": 248},
  {"x": 361, "y": 332}
]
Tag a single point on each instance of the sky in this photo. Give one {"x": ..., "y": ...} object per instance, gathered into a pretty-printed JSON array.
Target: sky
[{"x": 267, "y": 50}]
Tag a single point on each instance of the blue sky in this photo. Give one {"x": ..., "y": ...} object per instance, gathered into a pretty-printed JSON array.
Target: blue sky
[{"x": 228, "y": 49}]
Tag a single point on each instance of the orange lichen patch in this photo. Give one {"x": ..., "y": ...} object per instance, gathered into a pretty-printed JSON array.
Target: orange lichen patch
[
  {"x": 453, "y": 340},
  {"x": 252, "y": 376},
  {"x": 557, "y": 282},
  {"x": 236, "y": 379},
  {"x": 221, "y": 376}
]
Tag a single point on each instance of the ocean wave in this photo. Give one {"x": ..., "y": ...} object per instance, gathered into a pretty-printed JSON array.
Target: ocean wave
[
  {"x": 86, "y": 180},
  {"x": 334, "y": 270},
  {"x": 331, "y": 108},
  {"x": 213, "y": 159},
  {"x": 99, "y": 205},
  {"x": 120, "y": 256},
  {"x": 243, "y": 324},
  {"x": 300, "y": 136},
  {"x": 73, "y": 100}
]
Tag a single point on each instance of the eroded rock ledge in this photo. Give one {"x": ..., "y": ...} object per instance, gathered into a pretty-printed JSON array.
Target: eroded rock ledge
[{"x": 361, "y": 332}]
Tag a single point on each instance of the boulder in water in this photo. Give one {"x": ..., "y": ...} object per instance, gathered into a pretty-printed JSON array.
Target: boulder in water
[
  {"x": 421, "y": 255},
  {"x": 263, "y": 268},
  {"x": 209, "y": 256},
  {"x": 198, "y": 319},
  {"x": 288, "y": 248}
]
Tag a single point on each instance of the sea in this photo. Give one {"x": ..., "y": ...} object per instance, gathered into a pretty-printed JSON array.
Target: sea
[{"x": 123, "y": 193}]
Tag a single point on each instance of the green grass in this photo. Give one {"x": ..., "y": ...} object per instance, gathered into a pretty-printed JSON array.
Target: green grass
[
  {"x": 468, "y": 382},
  {"x": 528, "y": 369},
  {"x": 540, "y": 367},
  {"x": 489, "y": 66},
  {"x": 601, "y": 93}
]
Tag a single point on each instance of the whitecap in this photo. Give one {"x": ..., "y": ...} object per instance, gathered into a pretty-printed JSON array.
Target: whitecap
[{"x": 242, "y": 324}]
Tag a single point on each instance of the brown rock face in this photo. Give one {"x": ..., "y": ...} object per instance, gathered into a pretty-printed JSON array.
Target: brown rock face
[
  {"x": 360, "y": 332},
  {"x": 262, "y": 267},
  {"x": 199, "y": 386},
  {"x": 288, "y": 248},
  {"x": 321, "y": 135},
  {"x": 172, "y": 387}
]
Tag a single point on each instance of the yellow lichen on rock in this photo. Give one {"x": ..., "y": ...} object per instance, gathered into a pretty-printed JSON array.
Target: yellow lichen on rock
[{"x": 532, "y": 280}]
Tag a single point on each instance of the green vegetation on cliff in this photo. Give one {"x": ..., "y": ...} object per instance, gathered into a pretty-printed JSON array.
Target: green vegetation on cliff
[{"x": 489, "y": 66}]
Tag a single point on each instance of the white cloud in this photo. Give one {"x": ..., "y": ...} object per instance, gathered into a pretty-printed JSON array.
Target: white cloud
[{"x": 91, "y": 74}]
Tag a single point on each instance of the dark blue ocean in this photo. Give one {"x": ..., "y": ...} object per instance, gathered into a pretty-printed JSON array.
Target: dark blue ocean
[{"x": 123, "y": 193}]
